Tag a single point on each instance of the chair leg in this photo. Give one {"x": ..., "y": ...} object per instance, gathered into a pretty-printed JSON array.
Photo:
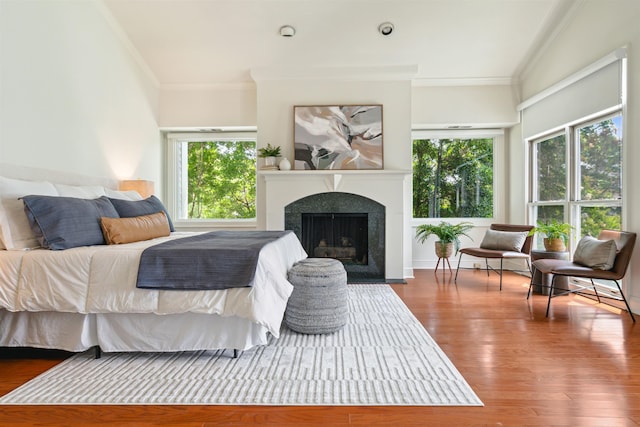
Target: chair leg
[
  {"x": 625, "y": 302},
  {"x": 531, "y": 281},
  {"x": 551, "y": 290},
  {"x": 486, "y": 262},
  {"x": 595, "y": 290},
  {"x": 501, "y": 259},
  {"x": 457, "y": 269}
]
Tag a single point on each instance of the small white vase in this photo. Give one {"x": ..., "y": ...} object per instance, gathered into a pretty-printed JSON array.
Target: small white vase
[{"x": 285, "y": 164}]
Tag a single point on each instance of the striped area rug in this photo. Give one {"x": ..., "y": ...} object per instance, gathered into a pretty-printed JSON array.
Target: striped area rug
[{"x": 383, "y": 356}]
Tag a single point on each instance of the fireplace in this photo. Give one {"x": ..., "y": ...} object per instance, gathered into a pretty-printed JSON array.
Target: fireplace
[
  {"x": 342, "y": 236},
  {"x": 344, "y": 226}
]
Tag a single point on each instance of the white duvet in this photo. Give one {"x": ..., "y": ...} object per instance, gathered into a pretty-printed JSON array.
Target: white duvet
[{"x": 102, "y": 279}]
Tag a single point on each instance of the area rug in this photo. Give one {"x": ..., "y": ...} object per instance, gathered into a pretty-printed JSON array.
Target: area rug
[{"x": 383, "y": 356}]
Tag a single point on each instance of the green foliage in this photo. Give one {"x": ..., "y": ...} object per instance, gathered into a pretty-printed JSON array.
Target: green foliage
[
  {"x": 553, "y": 230},
  {"x": 453, "y": 178},
  {"x": 446, "y": 232},
  {"x": 269, "y": 151},
  {"x": 552, "y": 169},
  {"x": 221, "y": 180},
  {"x": 600, "y": 162},
  {"x": 595, "y": 219}
]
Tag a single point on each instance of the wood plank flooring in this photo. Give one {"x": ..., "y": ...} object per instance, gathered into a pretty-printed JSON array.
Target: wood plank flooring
[{"x": 579, "y": 367}]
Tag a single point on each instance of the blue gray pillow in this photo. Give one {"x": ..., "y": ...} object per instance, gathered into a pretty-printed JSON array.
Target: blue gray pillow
[
  {"x": 67, "y": 222},
  {"x": 148, "y": 206}
]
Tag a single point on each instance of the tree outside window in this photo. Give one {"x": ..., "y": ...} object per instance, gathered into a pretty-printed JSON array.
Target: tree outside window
[
  {"x": 453, "y": 178},
  {"x": 580, "y": 182},
  {"x": 215, "y": 177}
]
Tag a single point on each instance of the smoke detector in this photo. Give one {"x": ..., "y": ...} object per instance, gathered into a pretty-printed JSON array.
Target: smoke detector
[
  {"x": 385, "y": 28},
  {"x": 287, "y": 31}
]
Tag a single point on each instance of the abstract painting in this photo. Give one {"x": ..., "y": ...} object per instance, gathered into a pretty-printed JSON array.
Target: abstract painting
[{"x": 338, "y": 137}]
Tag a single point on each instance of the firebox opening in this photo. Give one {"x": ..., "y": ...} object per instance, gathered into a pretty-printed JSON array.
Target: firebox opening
[
  {"x": 364, "y": 231},
  {"x": 343, "y": 236}
]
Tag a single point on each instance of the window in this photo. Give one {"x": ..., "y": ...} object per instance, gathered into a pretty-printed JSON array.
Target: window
[
  {"x": 577, "y": 176},
  {"x": 453, "y": 176},
  {"x": 212, "y": 176}
]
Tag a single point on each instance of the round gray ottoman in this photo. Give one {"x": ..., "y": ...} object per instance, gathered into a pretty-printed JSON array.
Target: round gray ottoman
[{"x": 319, "y": 302}]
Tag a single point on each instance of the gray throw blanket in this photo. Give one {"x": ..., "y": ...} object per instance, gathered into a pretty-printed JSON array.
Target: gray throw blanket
[{"x": 210, "y": 261}]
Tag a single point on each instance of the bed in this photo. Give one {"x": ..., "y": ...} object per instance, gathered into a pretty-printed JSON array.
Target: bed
[{"x": 86, "y": 296}]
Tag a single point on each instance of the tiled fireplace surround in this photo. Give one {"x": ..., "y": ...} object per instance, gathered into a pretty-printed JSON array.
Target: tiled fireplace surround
[{"x": 387, "y": 187}]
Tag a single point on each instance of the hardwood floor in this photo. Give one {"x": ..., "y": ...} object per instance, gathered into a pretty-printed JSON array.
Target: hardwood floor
[{"x": 579, "y": 367}]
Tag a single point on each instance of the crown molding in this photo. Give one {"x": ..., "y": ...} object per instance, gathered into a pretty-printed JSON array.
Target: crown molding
[
  {"x": 208, "y": 86},
  {"x": 472, "y": 81}
]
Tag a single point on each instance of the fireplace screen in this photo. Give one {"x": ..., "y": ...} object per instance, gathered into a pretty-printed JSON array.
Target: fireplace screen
[{"x": 343, "y": 236}]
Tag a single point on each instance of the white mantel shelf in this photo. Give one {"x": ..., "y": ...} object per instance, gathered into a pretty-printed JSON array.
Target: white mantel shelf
[{"x": 332, "y": 177}]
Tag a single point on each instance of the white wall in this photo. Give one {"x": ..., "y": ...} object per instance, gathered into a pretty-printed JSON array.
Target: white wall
[
  {"x": 72, "y": 96},
  {"x": 596, "y": 29},
  {"x": 487, "y": 106},
  {"x": 207, "y": 106}
]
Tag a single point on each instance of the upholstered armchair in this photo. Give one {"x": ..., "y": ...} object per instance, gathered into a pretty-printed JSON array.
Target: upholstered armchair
[
  {"x": 501, "y": 241},
  {"x": 604, "y": 258}
]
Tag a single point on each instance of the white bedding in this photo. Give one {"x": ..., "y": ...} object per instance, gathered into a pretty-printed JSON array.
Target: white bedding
[{"x": 101, "y": 279}]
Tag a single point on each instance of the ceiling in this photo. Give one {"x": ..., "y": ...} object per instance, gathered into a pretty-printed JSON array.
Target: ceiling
[{"x": 219, "y": 42}]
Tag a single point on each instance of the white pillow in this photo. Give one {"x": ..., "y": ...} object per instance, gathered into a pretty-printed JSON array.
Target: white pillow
[
  {"x": 123, "y": 195},
  {"x": 594, "y": 253},
  {"x": 80, "y": 191},
  {"x": 504, "y": 240},
  {"x": 15, "y": 232}
]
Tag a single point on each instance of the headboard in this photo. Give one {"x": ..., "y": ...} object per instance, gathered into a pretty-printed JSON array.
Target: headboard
[{"x": 58, "y": 177}]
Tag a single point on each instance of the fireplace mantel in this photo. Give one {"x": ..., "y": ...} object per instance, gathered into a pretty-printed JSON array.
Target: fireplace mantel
[{"x": 389, "y": 187}]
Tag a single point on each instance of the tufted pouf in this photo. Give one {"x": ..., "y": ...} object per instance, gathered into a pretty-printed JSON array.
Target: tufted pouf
[{"x": 319, "y": 301}]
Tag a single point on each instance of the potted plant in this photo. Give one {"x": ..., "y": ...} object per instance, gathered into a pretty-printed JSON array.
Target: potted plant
[
  {"x": 557, "y": 235},
  {"x": 269, "y": 154},
  {"x": 449, "y": 235}
]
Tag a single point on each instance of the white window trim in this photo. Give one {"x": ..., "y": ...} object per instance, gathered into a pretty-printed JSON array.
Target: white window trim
[
  {"x": 172, "y": 172},
  {"x": 499, "y": 171},
  {"x": 572, "y": 202}
]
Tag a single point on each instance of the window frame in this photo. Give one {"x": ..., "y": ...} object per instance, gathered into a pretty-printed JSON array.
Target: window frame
[
  {"x": 499, "y": 171},
  {"x": 573, "y": 202},
  {"x": 177, "y": 181}
]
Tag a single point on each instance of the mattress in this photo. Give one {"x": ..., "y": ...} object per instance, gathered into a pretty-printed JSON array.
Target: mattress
[{"x": 102, "y": 280}]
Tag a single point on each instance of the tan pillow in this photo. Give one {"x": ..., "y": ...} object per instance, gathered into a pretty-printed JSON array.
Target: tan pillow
[
  {"x": 134, "y": 229},
  {"x": 594, "y": 253}
]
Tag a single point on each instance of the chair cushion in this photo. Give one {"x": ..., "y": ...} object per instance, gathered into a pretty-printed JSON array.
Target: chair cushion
[
  {"x": 504, "y": 240},
  {"x": 594, "y": 253}
]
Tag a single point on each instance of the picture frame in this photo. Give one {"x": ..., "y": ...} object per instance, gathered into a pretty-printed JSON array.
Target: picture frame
[{"x": 338, "y": 137}]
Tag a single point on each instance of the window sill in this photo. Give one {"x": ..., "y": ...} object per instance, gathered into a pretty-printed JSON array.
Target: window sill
[{"x": 213, "y": 224}]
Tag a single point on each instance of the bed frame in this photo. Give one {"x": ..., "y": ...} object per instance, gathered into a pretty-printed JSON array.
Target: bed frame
[{"x": 111, "y": 332}]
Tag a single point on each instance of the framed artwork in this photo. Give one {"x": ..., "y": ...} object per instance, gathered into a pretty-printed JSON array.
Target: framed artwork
[{"x": 338, "y": 136}]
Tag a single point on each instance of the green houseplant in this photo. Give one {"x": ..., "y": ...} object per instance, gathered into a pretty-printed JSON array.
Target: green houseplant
[
  {"x": 557, "y": 235},
  {"x": 449, "y": 235},
  {"x": 269, "y": 151},
  {"x": 269, "y": 154}
]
